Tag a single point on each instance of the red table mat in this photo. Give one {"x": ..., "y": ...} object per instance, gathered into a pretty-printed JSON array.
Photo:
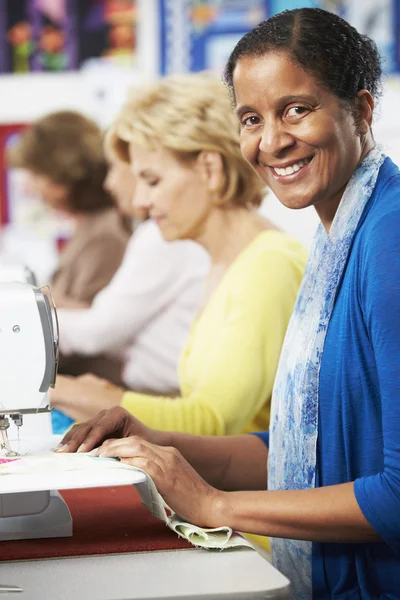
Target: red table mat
[{"x": 105, "y": 521}]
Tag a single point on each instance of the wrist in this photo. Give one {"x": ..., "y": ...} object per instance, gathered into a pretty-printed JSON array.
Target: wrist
[
  {"x": 220, "y": 511},
  {"x": 160, "y": 438}
]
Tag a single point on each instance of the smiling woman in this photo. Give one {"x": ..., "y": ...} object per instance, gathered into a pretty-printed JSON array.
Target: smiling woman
[
  {"x": 304, "y": 83},
  {"x": 299, "y": 108}
]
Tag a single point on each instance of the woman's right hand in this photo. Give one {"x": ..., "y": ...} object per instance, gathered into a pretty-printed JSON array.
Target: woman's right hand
[{"x": 107, "y": 424}]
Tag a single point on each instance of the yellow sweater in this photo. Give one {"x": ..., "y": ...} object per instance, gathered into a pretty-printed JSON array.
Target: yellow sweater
[{"x": 228, "y": 367}]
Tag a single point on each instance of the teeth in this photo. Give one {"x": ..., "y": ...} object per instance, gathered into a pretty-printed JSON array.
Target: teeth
[{"x": 293, "y": 168}]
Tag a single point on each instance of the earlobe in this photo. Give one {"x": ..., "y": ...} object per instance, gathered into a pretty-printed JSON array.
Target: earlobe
[
  {"x": 365, "y": 110},
  {"x": 212, "y": 167}
]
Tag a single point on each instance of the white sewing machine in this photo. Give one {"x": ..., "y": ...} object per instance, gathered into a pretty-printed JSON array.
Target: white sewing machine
[
  {"x": 30, "y": 505},
  {"x": 28, "y": 355}
]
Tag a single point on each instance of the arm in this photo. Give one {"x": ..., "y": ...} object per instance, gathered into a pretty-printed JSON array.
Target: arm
[
  {"x": 324, "y": 514},
  {"x": 378, "y": 495},
  {"x": 329, "y": 514},
  {"x": 151, "y": 275},
  {"x": 236, "y": 462},
  {"x": 231, "y": 378}
]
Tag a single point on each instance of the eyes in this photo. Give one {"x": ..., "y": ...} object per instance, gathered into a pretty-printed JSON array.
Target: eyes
[
  {"x": 296, "y": 111},
  {"x": 150, "y": 181},
  {"x": 291, "y": 114},
  {"x": 249, "y": 121}
]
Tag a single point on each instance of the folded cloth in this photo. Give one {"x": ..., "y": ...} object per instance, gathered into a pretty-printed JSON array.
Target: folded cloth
[{"x": 217, "y": 538}]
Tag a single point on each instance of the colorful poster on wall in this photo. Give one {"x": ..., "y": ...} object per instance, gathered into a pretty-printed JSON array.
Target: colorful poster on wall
[
  {"x": 37, "y": 36},
  {"x": 60, "y": 35},
  {"x": 107, "y": 31},
  {"x": 200, "y": 34}
]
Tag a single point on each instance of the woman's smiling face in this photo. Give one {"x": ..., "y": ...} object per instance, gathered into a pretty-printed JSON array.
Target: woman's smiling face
[{"x": 297, "y": 136}]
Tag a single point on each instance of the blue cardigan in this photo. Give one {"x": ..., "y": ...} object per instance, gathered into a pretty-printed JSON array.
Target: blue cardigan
[{"x": 359, "y": 403}]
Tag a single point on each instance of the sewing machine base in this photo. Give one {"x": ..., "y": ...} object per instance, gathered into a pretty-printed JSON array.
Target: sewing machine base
[{"x": 34, "y": 515}]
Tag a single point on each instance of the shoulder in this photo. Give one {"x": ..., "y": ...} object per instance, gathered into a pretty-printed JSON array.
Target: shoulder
[
  {"x": 382, "y": 222},
  {"x": 386, "y": 196},
  {"x": 273, "y": 252},
  {"x": 268, "y": 272},
  {"x": 377, "y": 247}
]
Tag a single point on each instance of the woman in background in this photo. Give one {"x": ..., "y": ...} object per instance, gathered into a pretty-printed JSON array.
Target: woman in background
[
  {"x": 182, "y": 141},
  {"x": 63, "y": 155}
]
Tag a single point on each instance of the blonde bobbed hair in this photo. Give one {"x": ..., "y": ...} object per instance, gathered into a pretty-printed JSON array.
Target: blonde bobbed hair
[{"x": 188, "y": 114}]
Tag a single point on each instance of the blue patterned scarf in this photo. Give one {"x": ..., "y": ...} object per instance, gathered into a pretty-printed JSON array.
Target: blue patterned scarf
[{"x": 294, "y": 411}]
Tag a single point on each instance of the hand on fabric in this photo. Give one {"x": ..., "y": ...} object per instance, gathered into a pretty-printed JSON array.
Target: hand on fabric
[
  {"x": 83, "y": 397},
  {"x": 179, "y": 484},
  {"x": 113, "y": 423}
]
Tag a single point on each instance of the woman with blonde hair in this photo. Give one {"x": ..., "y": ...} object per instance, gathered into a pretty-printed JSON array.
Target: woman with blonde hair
[{"x": 182, "y": 141}]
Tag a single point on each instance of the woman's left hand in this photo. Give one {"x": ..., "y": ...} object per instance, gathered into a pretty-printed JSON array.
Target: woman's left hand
[
  {"x": 83, "y": 397},
  {"x": 178, "y": 483}
]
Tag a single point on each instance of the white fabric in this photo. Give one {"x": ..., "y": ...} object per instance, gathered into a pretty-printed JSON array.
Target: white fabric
[{"x": 145, "y": 313}]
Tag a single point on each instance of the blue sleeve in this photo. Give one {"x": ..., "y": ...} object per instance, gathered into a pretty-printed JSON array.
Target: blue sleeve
[
  {"x": 264, "y": 436},
  {"x": 379, "y": 495}
]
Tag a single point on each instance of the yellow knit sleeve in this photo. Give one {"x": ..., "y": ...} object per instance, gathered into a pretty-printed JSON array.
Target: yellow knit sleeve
[{"x": 238, "y": 369}]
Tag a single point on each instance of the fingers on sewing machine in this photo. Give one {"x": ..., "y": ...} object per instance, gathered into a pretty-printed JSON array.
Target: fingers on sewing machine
[
  {"x": 74, "y": 438},
  {"x": 83, "y": 437}
]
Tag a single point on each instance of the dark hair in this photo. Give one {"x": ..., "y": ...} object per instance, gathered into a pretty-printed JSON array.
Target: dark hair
[
  {"x": 67, "y": 148},
  {"x": 343, "y": 60}
]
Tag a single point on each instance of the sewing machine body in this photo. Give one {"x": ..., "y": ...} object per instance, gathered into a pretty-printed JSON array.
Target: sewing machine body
[
  {"x": 29, "y": 358},
  {"x": 28, "y": 349}
]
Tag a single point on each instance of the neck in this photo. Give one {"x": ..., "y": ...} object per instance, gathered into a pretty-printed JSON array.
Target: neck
[
  {"x": 327, "y": 209},
  {"x": 229, "y": 229}
]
